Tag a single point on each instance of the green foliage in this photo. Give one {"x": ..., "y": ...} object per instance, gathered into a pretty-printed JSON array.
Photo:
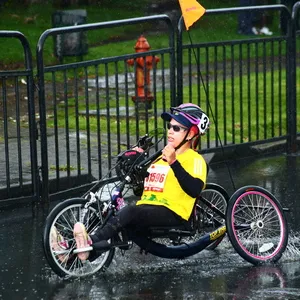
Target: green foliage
[
  {"x": 257, "y": 107},
  {"x": 65, "y": 115},
  {"x": 33, "y": 20},
  {"x": 262, "y": 104}
]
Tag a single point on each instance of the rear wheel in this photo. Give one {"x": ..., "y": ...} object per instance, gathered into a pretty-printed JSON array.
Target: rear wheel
[
  {"x": 59, "y": 242},
  {"x": 217, "y": 196},
  {"x": 256, "y": 225}
]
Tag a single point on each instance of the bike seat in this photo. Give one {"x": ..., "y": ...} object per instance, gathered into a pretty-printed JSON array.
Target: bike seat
[
  {"x": 169, "y": 231},
  {"x": 187, "y": 228}
]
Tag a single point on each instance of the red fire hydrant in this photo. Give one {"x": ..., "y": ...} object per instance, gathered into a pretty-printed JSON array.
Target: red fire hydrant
[{"x": 142, "y": 72}]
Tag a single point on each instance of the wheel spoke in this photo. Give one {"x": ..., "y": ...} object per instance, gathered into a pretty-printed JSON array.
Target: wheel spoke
[
  {"x": 61, "y": 257},
  {"x": 257, "y": 225}
]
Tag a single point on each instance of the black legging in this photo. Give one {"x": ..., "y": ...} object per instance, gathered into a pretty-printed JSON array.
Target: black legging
[
  {"x": 246, "y": 19},
  {"x": 284, "y": 17},
  {"x": 137, "y": 217}
]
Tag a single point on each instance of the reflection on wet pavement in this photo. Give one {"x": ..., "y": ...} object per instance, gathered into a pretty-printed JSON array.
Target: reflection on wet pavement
[{"x": 219, "y": 274}]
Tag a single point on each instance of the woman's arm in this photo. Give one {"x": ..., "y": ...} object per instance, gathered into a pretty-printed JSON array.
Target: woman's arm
[{"x": 191, "y": 185}]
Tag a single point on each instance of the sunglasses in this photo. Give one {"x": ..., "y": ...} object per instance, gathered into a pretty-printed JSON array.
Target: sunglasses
[{"x": 176, "y": 128}]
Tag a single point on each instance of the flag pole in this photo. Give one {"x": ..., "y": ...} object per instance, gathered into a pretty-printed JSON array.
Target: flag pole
[{"x": 180, "y": 79}]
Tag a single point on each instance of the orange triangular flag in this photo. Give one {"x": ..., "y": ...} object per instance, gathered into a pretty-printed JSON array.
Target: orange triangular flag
[{"x": 191, "y": 12}]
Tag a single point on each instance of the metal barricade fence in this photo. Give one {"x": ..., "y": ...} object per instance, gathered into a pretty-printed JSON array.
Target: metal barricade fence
[
  {"x": 19, "y": 179},
  {"x": 241, "y": 84},
  {"x": 86, "y": 108},
  {"x": 91, "y": 110},
  {"x": 296, "y": 61}
]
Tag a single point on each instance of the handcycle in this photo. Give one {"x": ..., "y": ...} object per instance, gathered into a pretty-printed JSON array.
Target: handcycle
[{"x": 252, "y": 218}]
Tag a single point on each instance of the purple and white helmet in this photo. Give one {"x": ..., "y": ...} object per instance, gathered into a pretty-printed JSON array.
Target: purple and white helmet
[{"x": 188, "y": 114}]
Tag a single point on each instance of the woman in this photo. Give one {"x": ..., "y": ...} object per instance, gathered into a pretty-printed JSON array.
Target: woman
[{"x": 174, "y": 181}]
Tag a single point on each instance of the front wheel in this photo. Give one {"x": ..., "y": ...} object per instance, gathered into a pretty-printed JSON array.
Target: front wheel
[
  {"x": 256, "y": 225},
  {"x": 59, "y": 243}
]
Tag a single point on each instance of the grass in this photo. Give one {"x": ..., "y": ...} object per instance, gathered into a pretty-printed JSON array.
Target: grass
[
  {"x": 112, "y": 42},
  {"x": 261, "y": 110},
  {"x": 257, "y": 115},
  {"x": 32, "y": 21},
  {"x": 78, "y": 122}
]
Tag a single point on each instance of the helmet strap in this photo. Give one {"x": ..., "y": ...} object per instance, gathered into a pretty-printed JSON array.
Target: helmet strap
[
  {"x": 185, "y": 140},
  {"x": 194, "y": 140}
]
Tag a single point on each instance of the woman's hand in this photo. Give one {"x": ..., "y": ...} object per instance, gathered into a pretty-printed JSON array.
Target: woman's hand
[
  {"x": 168, "y": 154},
  {"x": 138, "y": 149}
]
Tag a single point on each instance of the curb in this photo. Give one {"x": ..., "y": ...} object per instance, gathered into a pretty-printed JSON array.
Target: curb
[{"x": 244, "y": 151}]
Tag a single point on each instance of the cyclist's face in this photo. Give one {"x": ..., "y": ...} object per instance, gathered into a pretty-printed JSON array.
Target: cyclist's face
[{"x": 176, "y": 133}]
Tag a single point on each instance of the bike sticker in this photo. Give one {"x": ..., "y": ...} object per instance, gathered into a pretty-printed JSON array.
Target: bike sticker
[
  {"x": 217, "y": 233},
  {"x": 157, "y": 178},
  {"x": 120, "y": 203}
]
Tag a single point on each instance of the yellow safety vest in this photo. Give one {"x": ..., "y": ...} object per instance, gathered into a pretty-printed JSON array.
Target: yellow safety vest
[{"x": 161, "y": 187}]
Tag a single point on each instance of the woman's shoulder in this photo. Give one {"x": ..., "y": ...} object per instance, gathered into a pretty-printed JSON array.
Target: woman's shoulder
[{"x": 190, "y": 153}]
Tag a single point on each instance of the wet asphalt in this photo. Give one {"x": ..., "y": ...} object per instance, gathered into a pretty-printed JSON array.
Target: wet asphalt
[{"x": 218, "y": 274}]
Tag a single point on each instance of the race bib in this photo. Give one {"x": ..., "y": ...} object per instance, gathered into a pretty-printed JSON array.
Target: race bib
[{"x": 157, "y": 178}]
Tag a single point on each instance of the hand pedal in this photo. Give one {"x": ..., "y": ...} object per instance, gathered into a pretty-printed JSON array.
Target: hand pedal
[
  {"x": 102, "y": 246},
  {"x": 105, "y": 246},
  {"x": 79, "y": 250}
]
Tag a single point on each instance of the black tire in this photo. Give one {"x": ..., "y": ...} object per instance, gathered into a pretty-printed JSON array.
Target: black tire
[
  {"x": 256, "y": 225},
  {"x": 218, "y": 197},
  {"x": 59, "y": 224}
]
